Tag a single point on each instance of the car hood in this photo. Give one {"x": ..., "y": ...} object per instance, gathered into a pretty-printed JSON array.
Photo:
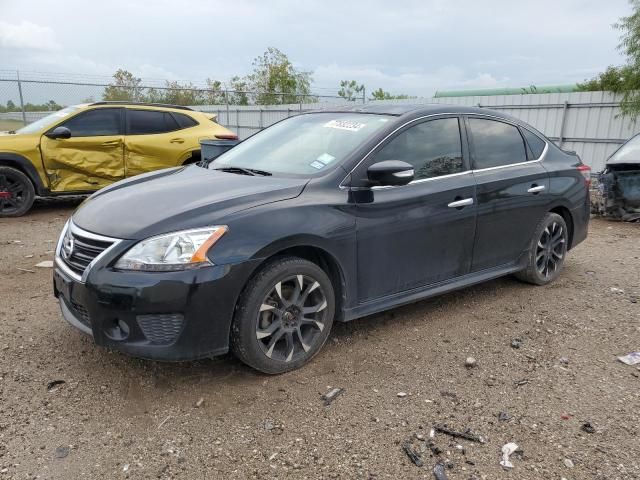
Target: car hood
[{"x": 177, "y": 199}]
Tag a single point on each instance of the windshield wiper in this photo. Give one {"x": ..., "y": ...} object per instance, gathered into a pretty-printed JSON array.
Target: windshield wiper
[{"x": 244, "y": 171}]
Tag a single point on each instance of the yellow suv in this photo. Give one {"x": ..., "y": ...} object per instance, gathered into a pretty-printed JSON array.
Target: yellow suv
[{"x": 83, "y": 148}]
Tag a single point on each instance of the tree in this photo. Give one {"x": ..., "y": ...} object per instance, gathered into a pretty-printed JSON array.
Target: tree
[
  {"x": 214, "y": 95},
  {"x": 11, "y": 107},
  {"x": 276, "y": 81},
  {"x": 125, "y": 87},
  {"x": 380, "y": 94},
  {"x": 238, "y": 91},
  {"x": 349, "y": 89},
  {"x": 623, "y": 79}
]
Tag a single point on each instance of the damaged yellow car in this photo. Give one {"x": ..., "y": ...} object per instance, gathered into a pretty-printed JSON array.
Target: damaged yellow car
[{"x": 83, "y": 148}]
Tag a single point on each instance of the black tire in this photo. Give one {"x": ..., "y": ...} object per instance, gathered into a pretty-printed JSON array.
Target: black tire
[
  {"x": 296, "y": 335},
  {"x": 547, "y": 252},
  {"x": 16, "y": 192}
]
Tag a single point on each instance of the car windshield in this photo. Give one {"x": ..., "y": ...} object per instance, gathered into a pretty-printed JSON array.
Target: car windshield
[
  {"x": 302, "y": 145},
  {"x": 47, "y": 121},
  {"x": 628, "y": 153}
]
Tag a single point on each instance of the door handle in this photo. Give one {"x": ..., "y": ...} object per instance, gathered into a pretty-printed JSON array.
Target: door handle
[
  {"x": 111, "y": 143},
  {"x": 461, "y": 203},
  {"x": 536, "y": 188},
  {"x": 176, "y": 140}
]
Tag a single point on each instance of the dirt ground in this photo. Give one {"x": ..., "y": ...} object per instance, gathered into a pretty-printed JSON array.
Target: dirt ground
[{"x": 118, "y": 417}]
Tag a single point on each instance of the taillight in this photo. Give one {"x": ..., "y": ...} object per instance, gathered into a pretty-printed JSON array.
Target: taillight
[
  {"x": 226, "y": 136},
  {"x": 585, "y": 170}
]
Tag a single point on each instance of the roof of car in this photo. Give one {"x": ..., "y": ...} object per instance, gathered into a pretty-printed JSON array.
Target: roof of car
[
  {"x": 399, "y": 109},
  {"x": 142, "y": 104}
]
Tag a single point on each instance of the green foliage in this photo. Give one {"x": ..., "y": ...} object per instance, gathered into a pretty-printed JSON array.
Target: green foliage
[
  {"x": 623, "y": 79},
  {"x": 350, "y": 90},
  {"x": 124, "y": 88},
  {"x": 276, "y": 80},
  {"x": 380, "y": 94},
  {"x": 49, "y": 106}
]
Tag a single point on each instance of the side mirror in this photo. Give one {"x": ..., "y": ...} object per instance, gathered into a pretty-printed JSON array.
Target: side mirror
[
  {"x": 390, "y": 172},
  {"x": 59, "y": 133}
]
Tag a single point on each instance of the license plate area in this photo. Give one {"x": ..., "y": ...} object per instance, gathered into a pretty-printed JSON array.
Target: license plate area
[{"x": 64, "y": 285}]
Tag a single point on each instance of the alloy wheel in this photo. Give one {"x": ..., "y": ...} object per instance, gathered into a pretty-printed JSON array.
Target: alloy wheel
[
  {"x": 550, "y": 249},
  {"x": 12, "y": 193},
  {"x": 291, "y": 318}
]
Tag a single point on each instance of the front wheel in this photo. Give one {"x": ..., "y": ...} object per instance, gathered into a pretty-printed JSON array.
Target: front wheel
[
  {"x": 547, "y": 251},
  {"x": 284, "y": 316},
  {"x": 16, "y": 192}
]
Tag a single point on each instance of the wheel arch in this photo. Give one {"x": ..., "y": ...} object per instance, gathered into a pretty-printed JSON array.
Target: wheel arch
[
  {"x": 9, "y": 159},
  {"x": 194, "y": 156},
  {"x": 565, "y": 213},
  {"x": 312, "y": 250}
]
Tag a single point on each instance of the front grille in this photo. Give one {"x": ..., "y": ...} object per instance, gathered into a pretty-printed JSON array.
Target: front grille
[
  {"x": 79, "y": 249},
  {"x": 161, "y": 328}
]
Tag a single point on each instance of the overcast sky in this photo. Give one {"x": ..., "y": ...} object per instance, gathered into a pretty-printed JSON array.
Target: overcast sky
[{"x": 414, "y": 47}]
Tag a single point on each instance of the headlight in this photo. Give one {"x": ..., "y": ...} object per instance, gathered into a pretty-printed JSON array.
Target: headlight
[{"x": 172, "y": 251}]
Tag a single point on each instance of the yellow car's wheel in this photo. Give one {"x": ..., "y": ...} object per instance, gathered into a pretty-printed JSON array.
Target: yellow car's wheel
[{"x": 16, "y": 192}]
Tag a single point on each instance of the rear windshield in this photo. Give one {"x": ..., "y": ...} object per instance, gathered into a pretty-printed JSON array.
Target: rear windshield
[
  {"x": 628, "y": 153},
  {"x": 304, "y": 145}
]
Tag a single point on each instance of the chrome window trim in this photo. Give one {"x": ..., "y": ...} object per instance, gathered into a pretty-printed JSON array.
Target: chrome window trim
[
  {"x": 422, "y": 180},
  {"x": 458, "y": 115},
  {"x": 91, "y": 236}
]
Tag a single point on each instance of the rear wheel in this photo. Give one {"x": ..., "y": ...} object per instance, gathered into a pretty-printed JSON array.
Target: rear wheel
[
  {"x": 547, "y": 251},
  {"x": 284, "y": 316},
  {"x": 16, "y": 192}
]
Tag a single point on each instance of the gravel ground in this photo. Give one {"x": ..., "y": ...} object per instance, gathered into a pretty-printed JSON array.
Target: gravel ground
[{"x": 118, "y": 417}]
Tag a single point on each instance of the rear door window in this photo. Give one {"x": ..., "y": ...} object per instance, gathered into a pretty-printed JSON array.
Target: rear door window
[
  {"x": 496, "y": 144},
  {"x": 432, "y": 147},
  {"x": 147, "y": 122},
  {"x": 95, "y": 123}
]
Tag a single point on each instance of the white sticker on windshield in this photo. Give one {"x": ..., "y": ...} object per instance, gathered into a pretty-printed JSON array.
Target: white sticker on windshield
[
  {"x": 317, "y": 165},
  {"x": 325, "y": 159},
  {"x": 345, "y": 125}
]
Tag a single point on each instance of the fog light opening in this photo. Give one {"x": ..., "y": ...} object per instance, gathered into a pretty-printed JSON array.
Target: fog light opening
[{"x": 119, "y": 330}]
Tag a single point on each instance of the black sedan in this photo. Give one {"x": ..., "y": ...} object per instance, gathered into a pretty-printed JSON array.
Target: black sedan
[{"x": 327, "y": 216}]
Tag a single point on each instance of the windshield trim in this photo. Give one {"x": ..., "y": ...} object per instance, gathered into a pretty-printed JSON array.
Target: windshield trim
[{"x": 72, "y": 109}]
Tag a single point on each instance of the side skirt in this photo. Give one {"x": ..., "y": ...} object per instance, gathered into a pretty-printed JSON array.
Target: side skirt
[{"x": 421, "y": 293}]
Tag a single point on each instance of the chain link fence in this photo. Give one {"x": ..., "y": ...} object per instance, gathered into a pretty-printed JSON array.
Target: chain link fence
[{"x": 24, "y": 98}]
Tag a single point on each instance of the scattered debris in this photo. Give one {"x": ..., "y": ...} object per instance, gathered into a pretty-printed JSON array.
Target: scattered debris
[
  {"x": 516, "y": 342},
  {"x": 164, "y": 421},
  {"x": 630, "y": 359},
  {"x": 519, "y": 383},
  {"x": 507, "y": 450},
  {"x": 503, "y": 416},
  {"x": 587, "y": 427},
  {"x": 61, "y": 452},
  {"x": 617, "y": 290},
  {"x": 25, "y": 270},
  {"x": 53, "y": 384},
  {"x": 200, "y": 402},
  {"x": 45, "y": 264},
  {"x": 470, "y": 362},
  {"x": 414, "y": 456},
  {"x": 402, "y": 394},
  {"x": 125, "y": 468},
  {"x": 564, "y": 360},
  {"x": 566, "y": 416},
  {"x": 568, "y": 463},
  {"x": 332, "y": 395},
  {"x": 467, "y": 435},
  {"x": 273, "y": 455},
  {"x": 29, "y": 256},
  {"x": 439, "y": 471}
]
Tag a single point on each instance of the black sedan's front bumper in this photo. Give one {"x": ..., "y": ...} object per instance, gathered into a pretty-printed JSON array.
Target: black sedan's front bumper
[{"x": 169, "y": 316}]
